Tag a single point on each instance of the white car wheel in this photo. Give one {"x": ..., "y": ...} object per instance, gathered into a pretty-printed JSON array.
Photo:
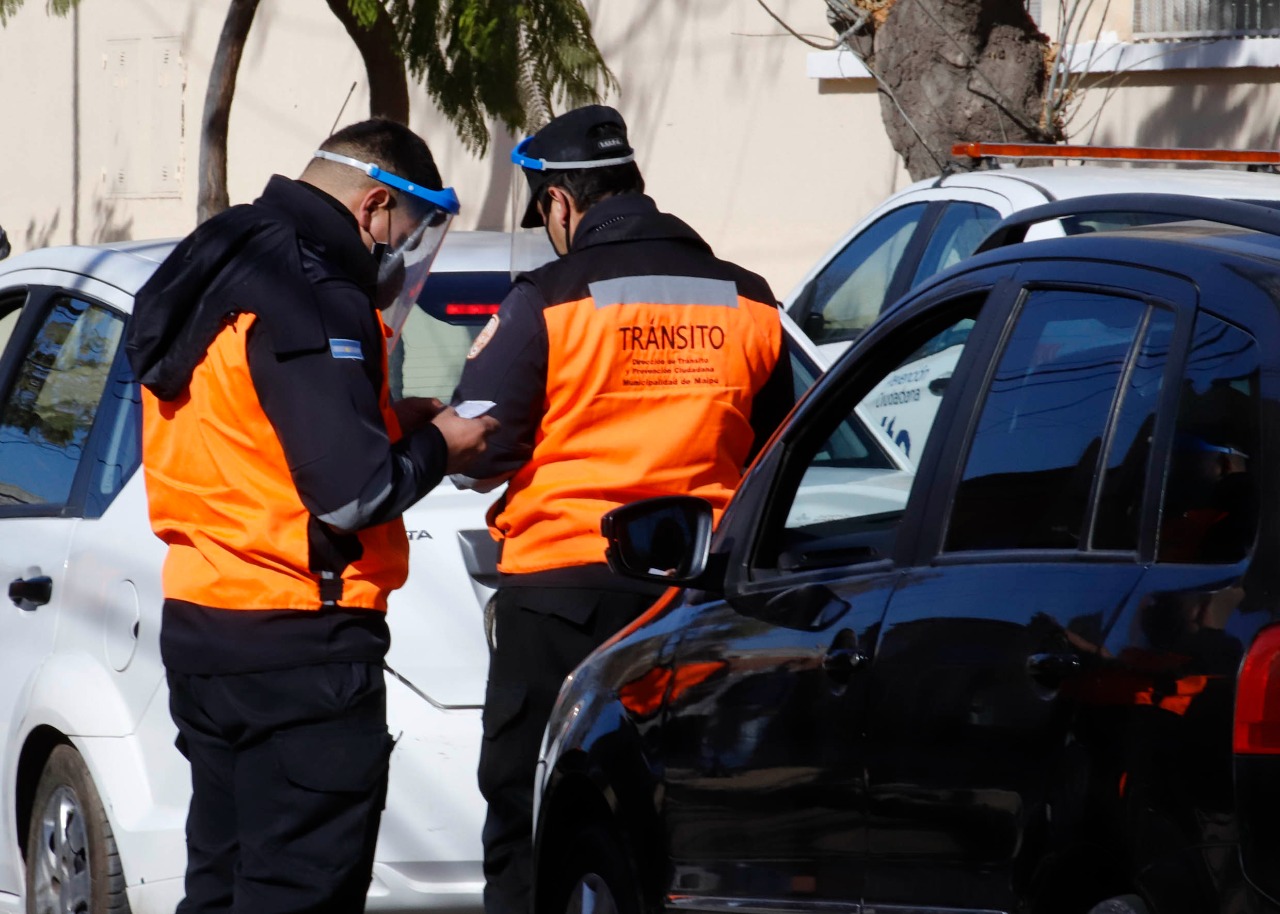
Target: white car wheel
[{"x": 72, "y": 863}]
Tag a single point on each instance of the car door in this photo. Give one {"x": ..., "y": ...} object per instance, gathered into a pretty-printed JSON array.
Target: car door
[
  {"x": 1178, "y": 808},
  {"x": 763, "y": 794},
  {"x": 913, "y": 236},
  {"x": 1034, "y": 544},
  {"x": 58, "y": 353}
]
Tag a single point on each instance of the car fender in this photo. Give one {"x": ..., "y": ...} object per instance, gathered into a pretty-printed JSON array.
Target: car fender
[
  {"x": 609, "y": 776},
  {"x": 76, "y": 695}
]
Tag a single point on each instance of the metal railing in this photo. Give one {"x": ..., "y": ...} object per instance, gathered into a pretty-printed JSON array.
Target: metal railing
[{"x": 1205, "y": 18}]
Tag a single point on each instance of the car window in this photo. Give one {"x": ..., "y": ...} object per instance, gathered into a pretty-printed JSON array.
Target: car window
[
  {"x": 843, "y": 300},
  {"x": 1211, "y": 495},
  {"x": 47, "y": 414},
  {"x": 836, "y": 506},
  {"x": 118, "y": 451},
  {"x": 956, "y": 235},
  {"x": 905, "y": 403},
  {"x": 1030, "y": 469},
  {"x": 452, "y": 309}
]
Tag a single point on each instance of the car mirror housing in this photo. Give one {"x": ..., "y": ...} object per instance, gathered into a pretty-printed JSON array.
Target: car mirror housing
[{"x": 666, "y": 540}]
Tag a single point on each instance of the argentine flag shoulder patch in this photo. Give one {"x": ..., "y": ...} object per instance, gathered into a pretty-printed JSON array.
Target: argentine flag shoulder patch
[{"x": 345, "y": 349}]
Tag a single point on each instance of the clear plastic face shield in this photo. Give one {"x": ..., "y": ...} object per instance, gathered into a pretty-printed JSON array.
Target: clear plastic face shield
[{"x": 416, "y": 227}]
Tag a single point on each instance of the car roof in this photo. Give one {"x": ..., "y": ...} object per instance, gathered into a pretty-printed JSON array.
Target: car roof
[
  {"x": 128, "y": 264},
  {"x": 1207, "y": 254},
  {"x": 1065, "y": 181}
]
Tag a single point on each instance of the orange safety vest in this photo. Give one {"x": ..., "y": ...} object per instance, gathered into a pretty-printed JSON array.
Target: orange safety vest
[
  {"x": 645, "y": 396},
  {"x": 222, "y": 498}
]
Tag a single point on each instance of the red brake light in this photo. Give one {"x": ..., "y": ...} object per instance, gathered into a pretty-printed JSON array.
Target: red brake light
[
  {"x": 456, "y": 310},
  {"x": 1257, "y": 724}
]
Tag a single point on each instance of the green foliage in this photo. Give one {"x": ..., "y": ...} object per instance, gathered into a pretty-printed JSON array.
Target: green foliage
[
  {"x": 365, "y": 11},
  {"x": 9, "y": 8},
  {"x": 512, "y": 60}
]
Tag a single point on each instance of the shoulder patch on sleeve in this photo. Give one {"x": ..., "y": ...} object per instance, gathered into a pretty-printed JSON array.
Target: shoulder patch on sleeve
[
  {"x": 483, "y": 339},
  {"x": 345, "y": 349}
]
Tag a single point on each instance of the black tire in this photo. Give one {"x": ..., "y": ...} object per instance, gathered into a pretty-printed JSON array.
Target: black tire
[
  {"x": 595, "y": 876},
  {"x": 72, "y": 866}
]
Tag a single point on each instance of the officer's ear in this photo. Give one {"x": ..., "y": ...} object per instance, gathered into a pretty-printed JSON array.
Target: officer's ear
[
  {"x": 560, "y": 206},
  {"x": 367, "y": 207}
]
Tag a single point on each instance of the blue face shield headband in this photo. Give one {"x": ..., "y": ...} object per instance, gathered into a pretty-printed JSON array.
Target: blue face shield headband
[
  {"x": 444, "y": 201},
  {"x": 518, "y": 157}
]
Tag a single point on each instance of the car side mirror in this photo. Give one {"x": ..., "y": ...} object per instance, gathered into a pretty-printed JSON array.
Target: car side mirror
[{"x": 666, "y": 540}]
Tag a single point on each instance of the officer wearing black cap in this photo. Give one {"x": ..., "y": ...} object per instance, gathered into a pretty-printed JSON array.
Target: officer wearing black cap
[{"x": 636, "y": 365}]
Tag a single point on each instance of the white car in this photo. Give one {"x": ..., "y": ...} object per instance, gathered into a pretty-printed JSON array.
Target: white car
[
  {"x": 925, "y": 228},
  {"x": 93, "y": 794}
]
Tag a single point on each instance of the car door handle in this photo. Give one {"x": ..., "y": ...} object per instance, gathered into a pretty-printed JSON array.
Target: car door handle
[
  {"x": 28, "y": 593},
  {"x": 1051, "y": 669},
  {"x": 843, "y": 657},
  {"x": 841, "y": 662}
]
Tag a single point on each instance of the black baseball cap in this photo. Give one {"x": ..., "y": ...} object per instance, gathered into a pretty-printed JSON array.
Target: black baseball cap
[{"x": 593, "y": 136}]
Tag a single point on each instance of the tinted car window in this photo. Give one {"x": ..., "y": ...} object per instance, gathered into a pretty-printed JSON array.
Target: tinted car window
[
  {"x": 1030, "y": 468},
  {"x": 48, "y": 414},
  {"x": 955, "y": 236},
  {"x": 848, "y": 294},
  {"x": 1210, "y": 508}
]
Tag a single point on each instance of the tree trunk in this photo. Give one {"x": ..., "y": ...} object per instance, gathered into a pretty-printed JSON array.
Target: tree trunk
[
  {"x": 217, "y": 109},
  {"x": 388, "y": 85},
  {"x": 957, "y": 70}
]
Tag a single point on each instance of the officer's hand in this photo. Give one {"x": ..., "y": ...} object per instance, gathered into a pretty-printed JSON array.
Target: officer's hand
[
  {"x": 465, "y": 437},
  {"x": 415, "y": 412}
]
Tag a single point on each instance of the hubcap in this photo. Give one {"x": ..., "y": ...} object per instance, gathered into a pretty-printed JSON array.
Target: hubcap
[
  {"x": 591, "y": 896},
  {"x": 61, "y": 884}
]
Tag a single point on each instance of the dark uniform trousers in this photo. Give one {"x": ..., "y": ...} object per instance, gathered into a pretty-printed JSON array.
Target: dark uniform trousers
[
  {"x": 542, "y": 634},
  {"x": 289, "y": 778}
]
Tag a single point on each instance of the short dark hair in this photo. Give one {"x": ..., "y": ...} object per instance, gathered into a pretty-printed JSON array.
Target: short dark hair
[
  {"x": 390, "y": 145},
  {"x": 588, "y": 186}
]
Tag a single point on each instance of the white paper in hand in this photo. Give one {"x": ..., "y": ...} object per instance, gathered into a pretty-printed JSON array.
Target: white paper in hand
[{"x": 470, "y": 409}]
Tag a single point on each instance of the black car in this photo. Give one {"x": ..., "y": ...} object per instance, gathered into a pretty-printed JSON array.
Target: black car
[{"x": 1040, "y": 673}]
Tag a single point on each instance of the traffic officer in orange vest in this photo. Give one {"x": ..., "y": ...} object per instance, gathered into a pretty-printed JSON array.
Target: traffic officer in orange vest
[
  {"x": 636, "y": 365},
  {"x": 277, "y": 469}
]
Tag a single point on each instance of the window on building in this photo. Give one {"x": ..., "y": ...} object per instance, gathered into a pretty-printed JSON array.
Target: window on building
[{"x": 1203, "y": 18}]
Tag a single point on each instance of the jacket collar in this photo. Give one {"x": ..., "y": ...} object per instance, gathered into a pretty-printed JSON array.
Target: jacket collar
[
  {"x": 323, "y": 223},
  {"x": 630, "y": 217}
]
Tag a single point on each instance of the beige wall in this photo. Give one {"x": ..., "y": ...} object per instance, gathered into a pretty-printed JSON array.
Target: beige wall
[{"x": 733, "y": 136}]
